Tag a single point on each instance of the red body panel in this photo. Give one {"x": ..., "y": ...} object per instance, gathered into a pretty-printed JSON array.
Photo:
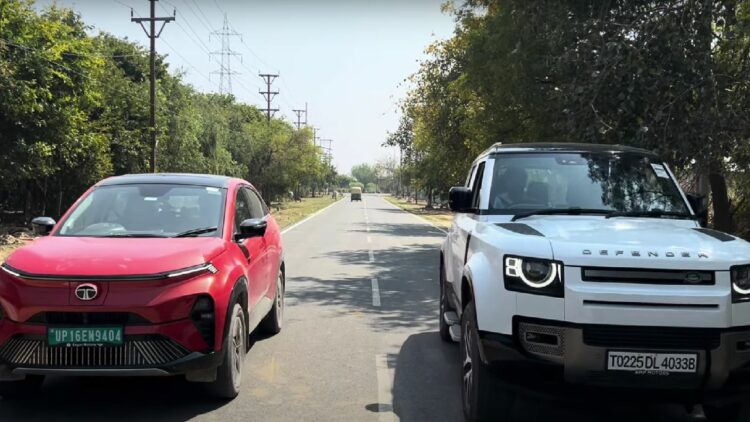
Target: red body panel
[{"x": 165, "y": 303}]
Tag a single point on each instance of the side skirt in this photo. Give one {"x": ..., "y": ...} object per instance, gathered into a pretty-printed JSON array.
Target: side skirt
[{"x": 258, "y": 313}]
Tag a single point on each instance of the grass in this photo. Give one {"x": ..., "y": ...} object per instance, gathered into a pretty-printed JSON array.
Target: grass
[
  {"x": 440, "y": 218},
  {"x": 6, "y": 250},
  {"x": 292, "y": 212}
]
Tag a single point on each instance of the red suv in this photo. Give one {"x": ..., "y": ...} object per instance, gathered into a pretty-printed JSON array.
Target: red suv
[{"x": 158, "y": 274}]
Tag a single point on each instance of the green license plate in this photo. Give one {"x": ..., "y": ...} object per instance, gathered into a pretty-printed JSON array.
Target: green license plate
[{"x": 84, "y": 336}]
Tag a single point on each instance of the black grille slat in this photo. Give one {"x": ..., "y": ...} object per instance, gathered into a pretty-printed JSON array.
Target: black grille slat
[
  {"x": 22, "y": 351},
  {"x": 651, "y": 337},
  {"x": 647, "y": 276}
]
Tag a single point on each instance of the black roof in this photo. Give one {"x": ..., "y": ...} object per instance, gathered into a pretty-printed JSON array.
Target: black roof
[
  {"x": 567, "y": 146},
  {"x": 168, "y": 179},
  {"x": 500, "y": 148}
]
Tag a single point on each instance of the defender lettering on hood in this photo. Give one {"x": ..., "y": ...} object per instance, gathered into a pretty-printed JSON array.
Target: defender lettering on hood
[{"x": 649, "y": 254}]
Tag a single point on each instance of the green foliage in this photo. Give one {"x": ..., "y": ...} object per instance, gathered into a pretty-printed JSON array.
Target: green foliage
[
  {"x": 670, "y": 76},
  {"x": 74, "y": 109}
]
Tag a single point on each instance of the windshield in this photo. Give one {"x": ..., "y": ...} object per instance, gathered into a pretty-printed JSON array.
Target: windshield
[
  {"x": 625, "y": 182},
  {"x": 146, "y": 210}
]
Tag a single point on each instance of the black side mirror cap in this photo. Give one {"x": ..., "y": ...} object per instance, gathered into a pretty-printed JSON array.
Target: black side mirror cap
[
  {"x": 252, "y": 227},
  {"x": 42, "y": 226},
  {"x": 700, "y": 207},
  {"x": 460, "y": 198}
]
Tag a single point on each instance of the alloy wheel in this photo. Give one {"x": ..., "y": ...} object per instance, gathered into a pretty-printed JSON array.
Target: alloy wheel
[
  {"x": 467, "y": 368},
  {"x": 237, "y": 349}
]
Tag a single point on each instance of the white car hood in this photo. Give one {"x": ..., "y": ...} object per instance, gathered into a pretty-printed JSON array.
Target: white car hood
[{"x": 637, "y": 243}]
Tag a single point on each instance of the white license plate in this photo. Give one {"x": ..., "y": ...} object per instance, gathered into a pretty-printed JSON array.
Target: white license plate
[{"x": 652, "y": 362}]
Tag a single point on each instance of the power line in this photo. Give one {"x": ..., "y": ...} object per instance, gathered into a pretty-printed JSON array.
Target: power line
[
  {"x": 152, "y": 35},
  {"x": 198, "y": 41},
  {"x": 226, "y": 53},
  {"x": 208, "y": 22},
  {"x": 268, "y": 94},
  {"x": 188, "y": 62}
]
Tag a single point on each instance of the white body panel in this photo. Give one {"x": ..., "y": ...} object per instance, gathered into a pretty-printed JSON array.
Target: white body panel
[{"x": 594, "y": 241}]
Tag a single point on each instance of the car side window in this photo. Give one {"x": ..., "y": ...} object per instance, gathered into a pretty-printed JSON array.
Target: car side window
[
  {"x": 476, "y": 189},
  {"x": 242, "y": 209},
  {"x": 256, "y": 204}
]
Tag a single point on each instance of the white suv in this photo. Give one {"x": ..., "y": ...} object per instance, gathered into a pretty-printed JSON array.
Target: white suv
[{"x": 587, "y": 265}]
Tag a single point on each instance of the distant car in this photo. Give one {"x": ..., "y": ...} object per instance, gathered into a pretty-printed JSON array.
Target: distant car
[
  {"x": 577, "y": 268},
  {"x": 356, "y": 194},
  {"x": 157, "y": 274}
]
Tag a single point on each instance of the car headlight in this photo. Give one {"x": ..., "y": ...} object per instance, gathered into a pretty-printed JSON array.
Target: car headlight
[
  {"x": 533, "y": 275},
  {"x": 740, "y": 283}
]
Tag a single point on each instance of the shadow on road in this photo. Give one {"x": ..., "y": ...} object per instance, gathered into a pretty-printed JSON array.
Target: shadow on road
[
  {"x": 427, "y": 387},
  {"x": 168, "y": 399},
  {"x": 407, "y": 277},
  {"x": 426, "y": 383},
  {"x": 402, "y": 230},
  {"x": 111, "y": 399}
]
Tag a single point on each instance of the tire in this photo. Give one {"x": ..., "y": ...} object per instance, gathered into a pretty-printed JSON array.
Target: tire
[
  {"x": 25, "y": 388},
  {"x": 229, "y": 374},
  {"x": 273, "y": 322},
  {"x": 734, "y": 412},
  {"x": 482, "y": 395},
  {"x": 445, "y": 306}
]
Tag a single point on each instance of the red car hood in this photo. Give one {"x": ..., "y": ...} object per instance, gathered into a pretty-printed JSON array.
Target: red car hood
[{"x": 69, "y": 256}]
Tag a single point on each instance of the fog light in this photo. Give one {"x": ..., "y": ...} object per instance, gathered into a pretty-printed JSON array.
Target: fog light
[
  {"x": 539, "y": 338},
  {"x": 203, "y": 318}
]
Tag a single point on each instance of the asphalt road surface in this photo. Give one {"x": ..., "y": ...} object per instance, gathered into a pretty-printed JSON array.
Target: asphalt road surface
[{"x": 360, "y": 343}]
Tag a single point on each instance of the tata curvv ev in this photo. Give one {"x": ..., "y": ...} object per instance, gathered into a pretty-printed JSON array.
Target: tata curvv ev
[
  {"x": 578, "y": 268},
  {"x": 145, "y": 275}
]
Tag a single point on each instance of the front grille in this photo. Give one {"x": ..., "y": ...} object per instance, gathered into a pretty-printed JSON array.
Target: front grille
[
  {"x": 136, "y": 352},
  {"x": 651, "y": 337},
  {"x": 87, "y": 318},
  {"x": 647, "y": 276}
]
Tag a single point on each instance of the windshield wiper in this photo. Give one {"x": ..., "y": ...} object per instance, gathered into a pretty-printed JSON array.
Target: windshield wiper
[
  {"x": 195, "y": 232},
  {"x": 651, "y": 214},
  {"x": 560, "y": 211}
]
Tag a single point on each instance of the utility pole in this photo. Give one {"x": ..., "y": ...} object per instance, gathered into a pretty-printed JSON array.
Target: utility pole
[
  {"x": 268, "y": 78},
  {"x": 225, "y": 70},
  {"x": 299, "y": 117},
  {"x": 153, "y": 35}
]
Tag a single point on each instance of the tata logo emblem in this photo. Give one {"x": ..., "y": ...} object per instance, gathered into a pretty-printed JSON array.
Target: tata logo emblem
[
  {"x": 87, "y": 291},
  {"x": 649, "y": 254}
]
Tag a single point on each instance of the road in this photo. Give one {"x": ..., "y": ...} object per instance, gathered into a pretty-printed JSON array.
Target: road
[{"x": 360, "y": 342}]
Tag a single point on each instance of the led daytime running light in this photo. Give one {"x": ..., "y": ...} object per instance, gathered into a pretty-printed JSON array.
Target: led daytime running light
[{"x": 514, "y": 268}]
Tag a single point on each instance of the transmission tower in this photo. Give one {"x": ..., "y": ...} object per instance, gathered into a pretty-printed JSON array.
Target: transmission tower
[
  {"x": 268, "y": 94},
  {"x": 225, "y": 71}
]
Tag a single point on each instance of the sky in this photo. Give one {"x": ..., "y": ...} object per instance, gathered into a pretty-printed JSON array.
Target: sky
[{"x": 346, "y": 59}]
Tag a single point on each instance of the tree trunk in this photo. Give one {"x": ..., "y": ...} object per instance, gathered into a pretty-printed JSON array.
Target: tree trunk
[{"x": 722, "y": 213}]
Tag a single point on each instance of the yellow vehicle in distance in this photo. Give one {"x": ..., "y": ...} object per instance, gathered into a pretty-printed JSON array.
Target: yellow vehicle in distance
[{"x": 356, "y": 193}]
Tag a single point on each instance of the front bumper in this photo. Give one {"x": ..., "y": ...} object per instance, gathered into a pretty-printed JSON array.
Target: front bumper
[
  {"x": 147, "y": 350},
  {"x": 580, "y": 355}
]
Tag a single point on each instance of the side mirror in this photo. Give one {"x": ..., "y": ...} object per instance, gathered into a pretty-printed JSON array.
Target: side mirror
[
  {"x": 42, "y": 226},
  {"x": 252, "y": 227},
  {"x": 700, "y": 207},
  {"x": 459, "y": 199}
]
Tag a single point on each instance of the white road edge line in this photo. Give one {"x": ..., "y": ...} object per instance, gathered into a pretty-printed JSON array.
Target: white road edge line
[
  {"x": 375, "y": 292},
  {"x": 372, "y": 256},
  {"x": 385, "y": 384},
  {"x": 422, "y": 219},
  {"x": 309, "y": 217}
]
